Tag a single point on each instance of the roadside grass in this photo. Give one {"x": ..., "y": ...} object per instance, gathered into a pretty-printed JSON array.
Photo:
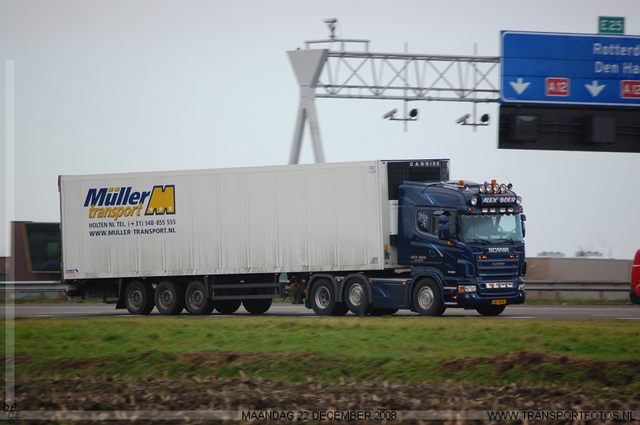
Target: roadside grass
[{"x": 397, "y": 349}]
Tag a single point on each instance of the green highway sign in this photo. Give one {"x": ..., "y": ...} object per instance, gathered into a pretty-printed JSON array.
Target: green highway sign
[{"x": 610, "y": 25}]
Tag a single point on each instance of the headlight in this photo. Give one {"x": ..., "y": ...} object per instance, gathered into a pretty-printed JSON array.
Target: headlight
[
  {"x": 498, "y": 285},
  {"x": 519, "y": 200},
  {"x": 474, "y": 201},
  {"x": 482, "y": 189},
  {"x": 466, "y": 288},
  {"x": 503, "y": 188},
  {"x": 496, "y": 188}
]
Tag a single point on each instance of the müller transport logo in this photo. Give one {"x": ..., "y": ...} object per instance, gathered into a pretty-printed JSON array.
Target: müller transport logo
[{"x": 117, "y": 202}]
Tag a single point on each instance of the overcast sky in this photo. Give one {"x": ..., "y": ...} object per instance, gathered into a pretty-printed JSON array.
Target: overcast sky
[{"x": 123, "y": 86}]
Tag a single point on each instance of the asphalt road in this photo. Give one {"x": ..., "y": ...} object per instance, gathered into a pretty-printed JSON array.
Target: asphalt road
[{"x": 517, "y": 312}]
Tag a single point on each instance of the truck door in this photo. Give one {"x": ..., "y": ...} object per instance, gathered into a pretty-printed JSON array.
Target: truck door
[{"x": 425, "y": 246}]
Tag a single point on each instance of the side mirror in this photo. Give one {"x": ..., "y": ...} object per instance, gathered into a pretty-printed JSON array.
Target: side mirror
[
  {"x": 523, "y": 218},
  {"x": 445, "y": 229}
]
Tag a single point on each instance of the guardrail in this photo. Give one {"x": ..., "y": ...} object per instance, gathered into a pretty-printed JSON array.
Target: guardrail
[
  {"x": 32, "y": 286},
  {"x": 614, "y": 288}
]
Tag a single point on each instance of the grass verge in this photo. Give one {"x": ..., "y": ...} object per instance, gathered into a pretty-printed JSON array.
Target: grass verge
[{"x": 397, "y": 349}]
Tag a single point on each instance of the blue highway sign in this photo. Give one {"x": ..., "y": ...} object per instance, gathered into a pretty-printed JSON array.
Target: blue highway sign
[{"x": 572, "y": 69}]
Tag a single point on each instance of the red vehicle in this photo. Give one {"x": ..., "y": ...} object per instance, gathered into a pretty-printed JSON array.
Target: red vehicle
[{"x": 634, "y": 294}]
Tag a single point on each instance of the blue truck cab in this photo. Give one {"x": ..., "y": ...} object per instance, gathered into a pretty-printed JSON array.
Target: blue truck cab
[
  {"x": 464, "y": 242},
  {"x": 452, "y": 244}
]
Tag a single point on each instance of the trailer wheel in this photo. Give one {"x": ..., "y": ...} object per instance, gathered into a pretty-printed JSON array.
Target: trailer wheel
[
  {"x": 169, "y": 298},
  {"x": 323, "y": 298},
  {"x": 427, "y": 298},
  {"x": 227, "y": 306},
  {"x": 490, "y": 310},
  {"x": 259, "y": 306},
  {"x": 356, "y": 297},
  {"x": 138, "y": 298},
  {"x": 196, "y": 300}
]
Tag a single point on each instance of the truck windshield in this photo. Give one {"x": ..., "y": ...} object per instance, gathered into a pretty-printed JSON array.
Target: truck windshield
[{"x": 495, "y": 228}]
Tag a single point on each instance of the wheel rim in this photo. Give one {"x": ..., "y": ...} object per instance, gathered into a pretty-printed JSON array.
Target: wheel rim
[
  {"x": 196, "y": 298},
  {"x": 323, "y": 297},
  {"x": 166, "y": 298},
  {"x": 135, "y": 298},
  {"x": 425, "y": 298},
  {"x": 356, "y": 294}
]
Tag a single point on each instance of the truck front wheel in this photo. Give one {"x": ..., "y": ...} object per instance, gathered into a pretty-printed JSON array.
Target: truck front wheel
[
  {"x": 169, "y": 298},
  {"x": 490, "y": 310},
  {"x": 196, "y": 300},
  {"x": 138, "y": 298},
  {"x": 427, "y": 298}
]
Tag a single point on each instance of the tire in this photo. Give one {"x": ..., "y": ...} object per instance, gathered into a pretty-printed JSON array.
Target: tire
[
  {"x": 323, "y": 298},
  {"x": 227, "y": 306},
  {"x": 490, "y": 310},
  {"x": 383, "y": 311},
  {"x": 427, "y": 298},
  {"x": 258, "y": 306},
  {"x": 633, "y": 297},
  {"x": 138, "y": 298},
  {"x": 169, "y": 298},
  {"x": 356, "y": 297},
  {"x": 195, "y": 299}
]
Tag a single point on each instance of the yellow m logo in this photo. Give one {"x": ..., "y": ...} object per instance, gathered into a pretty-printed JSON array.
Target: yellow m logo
[{"x": 162, "y": 201}]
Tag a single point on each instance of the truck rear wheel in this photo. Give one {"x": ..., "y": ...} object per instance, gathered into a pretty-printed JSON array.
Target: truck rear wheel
[
  {"x": 323, "y": 298},
  {"x": 427, "y": 298},
  {"x": 196, "y": 300},
  {"x": 257, "y": 306},
  {"x": 227, "y": 306},
  {"x": 138, "y": 298},
  {"x": 490, "y": 310},
  {"x": 169, "y": 298},
  {"x": 357, "y": 297}
]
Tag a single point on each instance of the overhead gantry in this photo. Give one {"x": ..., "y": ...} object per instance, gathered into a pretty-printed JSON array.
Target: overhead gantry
[{"x": 335, "y": 72}]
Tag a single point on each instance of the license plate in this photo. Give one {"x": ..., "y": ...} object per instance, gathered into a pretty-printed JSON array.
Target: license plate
[{"x": 498, "y": 301}]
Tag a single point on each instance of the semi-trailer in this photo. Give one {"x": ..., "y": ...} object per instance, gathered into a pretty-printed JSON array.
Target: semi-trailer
[{"x": 368, "y": 237}]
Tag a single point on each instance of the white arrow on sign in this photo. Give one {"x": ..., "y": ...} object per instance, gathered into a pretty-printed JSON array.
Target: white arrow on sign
[
  {"x": 594, "y": 88},
  {"x": 519, "y": 87}
]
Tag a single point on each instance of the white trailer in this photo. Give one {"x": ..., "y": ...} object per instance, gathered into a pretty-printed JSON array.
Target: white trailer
[{"x": 214, "y": 238}]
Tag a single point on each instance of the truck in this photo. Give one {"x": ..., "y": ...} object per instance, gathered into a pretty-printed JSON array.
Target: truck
[
  {"x": 634, "y": 292},
  {"x": 368, "y": 237}
]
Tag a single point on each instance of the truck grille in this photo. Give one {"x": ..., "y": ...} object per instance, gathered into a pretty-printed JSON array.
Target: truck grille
[{"x": 496, "y": 267}]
